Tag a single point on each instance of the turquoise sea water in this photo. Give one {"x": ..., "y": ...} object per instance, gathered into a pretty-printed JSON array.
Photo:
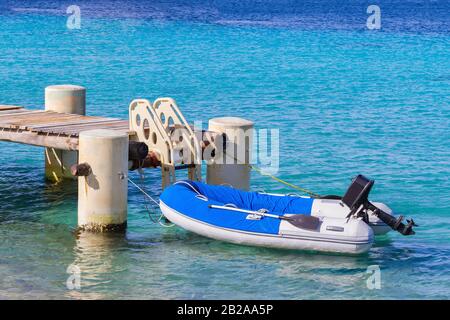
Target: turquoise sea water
[{"x": 346, "y": 100}]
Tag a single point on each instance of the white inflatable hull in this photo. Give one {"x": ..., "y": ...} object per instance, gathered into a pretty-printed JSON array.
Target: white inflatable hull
[
  {"x": 336, "y": 235},
  {"x": 333, "y": 209}
]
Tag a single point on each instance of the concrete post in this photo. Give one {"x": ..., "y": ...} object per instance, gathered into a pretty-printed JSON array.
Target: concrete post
[
  {"x": 103, "y": 194},
  {"x": 63, "y": 99},
  {"x": 232, "y": 167}
]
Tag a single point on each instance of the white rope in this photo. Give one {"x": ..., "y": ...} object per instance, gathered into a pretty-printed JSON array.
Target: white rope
[
  {"x": 142, "y": 190},
  {"x": 190, "y": 186},
  {"x": 165, "y": 225},
  {"x": 201, "y": 197},
  {"x": 159, "y": 220}
]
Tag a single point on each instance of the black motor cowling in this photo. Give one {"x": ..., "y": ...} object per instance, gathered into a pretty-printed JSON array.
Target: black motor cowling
[{"x": 357, "y": 199}]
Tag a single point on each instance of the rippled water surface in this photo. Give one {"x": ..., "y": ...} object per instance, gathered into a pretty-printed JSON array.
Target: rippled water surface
[{"x": 345, "y": 99}]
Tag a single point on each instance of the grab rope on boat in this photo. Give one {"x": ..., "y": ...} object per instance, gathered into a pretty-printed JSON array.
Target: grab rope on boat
[{"x": 147, "y": 196}]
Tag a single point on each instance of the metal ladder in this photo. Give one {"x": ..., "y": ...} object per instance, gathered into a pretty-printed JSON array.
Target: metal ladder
[{"x": 164, "y": 129}]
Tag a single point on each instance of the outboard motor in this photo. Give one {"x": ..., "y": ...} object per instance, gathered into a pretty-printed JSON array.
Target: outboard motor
[{"x": 357, "y": 199}]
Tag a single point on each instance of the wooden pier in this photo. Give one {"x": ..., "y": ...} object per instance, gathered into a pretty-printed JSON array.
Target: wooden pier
[
  {"x": 99, "y": 151},
  {"x": 51, "y": 129}
]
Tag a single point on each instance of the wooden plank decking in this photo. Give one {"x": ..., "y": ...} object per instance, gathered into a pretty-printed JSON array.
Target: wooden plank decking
[{"x": 51, "y": 129}]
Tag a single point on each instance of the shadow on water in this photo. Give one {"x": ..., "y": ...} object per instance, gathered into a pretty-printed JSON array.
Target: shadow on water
[{"x": 26, "y": 195}]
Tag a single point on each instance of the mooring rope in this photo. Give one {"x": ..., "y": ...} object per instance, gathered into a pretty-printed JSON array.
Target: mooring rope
[
  {"x": 260, "y": 171},
  {"x": 145, "y": 194},
  {"x": 309, "y": 192}
]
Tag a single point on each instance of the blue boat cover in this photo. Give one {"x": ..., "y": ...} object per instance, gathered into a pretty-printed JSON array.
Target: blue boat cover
[{"x": 184, "y": 199}]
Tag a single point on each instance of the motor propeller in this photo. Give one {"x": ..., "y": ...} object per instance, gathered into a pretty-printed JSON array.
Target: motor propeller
[{"x": 395, "y": 223}]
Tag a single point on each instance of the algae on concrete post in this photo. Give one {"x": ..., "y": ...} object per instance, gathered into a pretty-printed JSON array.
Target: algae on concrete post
[
  {"x": 232, "y": 166},
  {"x": 63, "y": 99},
  {"x": 103, "y": 194}
]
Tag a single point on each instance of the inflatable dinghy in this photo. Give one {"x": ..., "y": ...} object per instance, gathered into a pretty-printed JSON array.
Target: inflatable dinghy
[{"x": 280, "y": 221}]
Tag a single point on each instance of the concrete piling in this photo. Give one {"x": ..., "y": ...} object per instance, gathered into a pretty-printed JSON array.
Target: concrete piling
[
  {"x": 63, "y": 99},
  {"x": 103, "y": 193},
  {"x": 231, "y": 167}
]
